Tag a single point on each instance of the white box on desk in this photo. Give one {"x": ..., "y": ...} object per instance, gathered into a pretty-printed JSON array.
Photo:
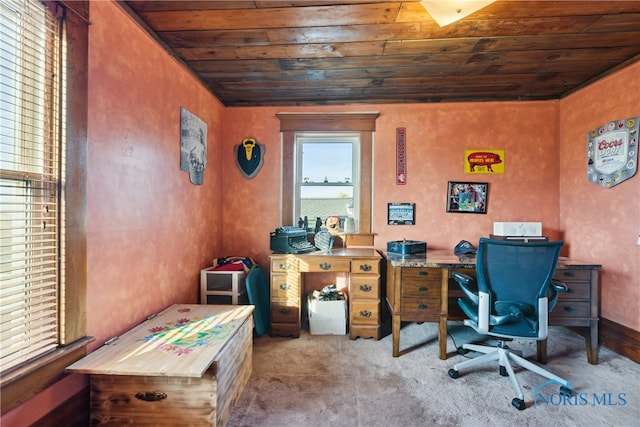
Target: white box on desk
[
  {"x": 327, "y": 317},
  {"x": 517, "y": 228}
]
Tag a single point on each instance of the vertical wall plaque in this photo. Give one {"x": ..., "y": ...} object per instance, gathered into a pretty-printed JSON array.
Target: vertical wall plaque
[
  {"x": 193, "y": 146},
  {"x": 401, "y": 153},
  {"x": 612, "y": 152}
]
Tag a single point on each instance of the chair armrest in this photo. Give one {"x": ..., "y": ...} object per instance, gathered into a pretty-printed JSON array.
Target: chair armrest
[
  {"x": 559, "y": 286},
  {"x": 467, "y": 284},
  {"x": 555, "y": 287}
]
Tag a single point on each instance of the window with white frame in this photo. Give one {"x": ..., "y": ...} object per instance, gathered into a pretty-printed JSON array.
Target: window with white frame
[
  {"x": 326, "y": 177},
  {"x": 31, "y": 163}
]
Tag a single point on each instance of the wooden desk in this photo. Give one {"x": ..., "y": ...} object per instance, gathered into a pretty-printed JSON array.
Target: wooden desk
[
  {"x": 186, "y": 366},
  {"x": 287, "y": 288},
  {"x": 420, "y": 289}
]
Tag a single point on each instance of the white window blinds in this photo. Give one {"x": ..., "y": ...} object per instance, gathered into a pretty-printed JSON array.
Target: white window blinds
[{"x": 30, "y": 185}]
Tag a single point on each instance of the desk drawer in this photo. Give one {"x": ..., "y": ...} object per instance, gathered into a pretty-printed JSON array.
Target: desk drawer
[
  {"x": 285, "y": 286},
  {"x": 364, "y": 286},
  {"x": 365, "y": 312},
  {"x": 321, "y": 265},
  {"x": 285, "y": 312},
  {"x": 284, "y": 264},
  {"x": 420, "y": 305},
  {"x": 429, "y": 274},
  {"x": 366, "y": 266},
  {"x": 569, "y": 274},
  {"x": 577, "y": 290},
  {"x": 571, "y": 309},
  {"x": 421, "y": 289}
]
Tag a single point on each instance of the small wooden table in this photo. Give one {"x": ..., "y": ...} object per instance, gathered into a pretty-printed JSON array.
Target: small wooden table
[{"x": 186, "y": 366}]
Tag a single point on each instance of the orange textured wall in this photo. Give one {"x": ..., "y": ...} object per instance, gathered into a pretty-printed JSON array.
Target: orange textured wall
[
  {"x": 602, "y": 224},
  {"x": 437, "y": 135},
  {"x": 149, "y": 230}
]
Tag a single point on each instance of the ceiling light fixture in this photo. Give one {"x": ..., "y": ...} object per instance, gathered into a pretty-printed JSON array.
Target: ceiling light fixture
[{"x": 444, "y": 12}]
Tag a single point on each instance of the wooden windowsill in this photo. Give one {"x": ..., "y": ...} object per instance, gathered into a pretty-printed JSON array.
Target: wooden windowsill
[{"x": 22, "y": 383}]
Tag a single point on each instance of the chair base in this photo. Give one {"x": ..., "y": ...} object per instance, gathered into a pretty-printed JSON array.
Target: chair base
[{"x": 506, "y": 358}]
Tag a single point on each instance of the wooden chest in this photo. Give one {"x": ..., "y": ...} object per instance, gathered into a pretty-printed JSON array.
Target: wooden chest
[{"x": 186, "y": 366}]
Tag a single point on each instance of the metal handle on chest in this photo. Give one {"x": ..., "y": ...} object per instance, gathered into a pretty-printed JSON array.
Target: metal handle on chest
[
  {"x": 325, "y": 266},
  {"x": 151, "y": 396}
]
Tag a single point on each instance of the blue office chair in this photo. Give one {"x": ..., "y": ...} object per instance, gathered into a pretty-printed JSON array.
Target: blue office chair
[{"x": 510, "y": 299}]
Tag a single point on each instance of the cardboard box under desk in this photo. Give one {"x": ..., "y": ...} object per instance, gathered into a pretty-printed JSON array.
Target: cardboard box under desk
[{"x": 327, "y": 317}]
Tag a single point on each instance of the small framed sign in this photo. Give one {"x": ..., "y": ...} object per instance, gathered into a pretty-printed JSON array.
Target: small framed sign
[{"x": 401, "y": 213}]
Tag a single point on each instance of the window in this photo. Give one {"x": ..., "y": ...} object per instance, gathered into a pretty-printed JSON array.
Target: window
[
  {"x": 43, "y": 57},
  {"x": 360, "y": 126},
  {"x": 30, "y": 165},
  {"x": 327, "y": 176}
]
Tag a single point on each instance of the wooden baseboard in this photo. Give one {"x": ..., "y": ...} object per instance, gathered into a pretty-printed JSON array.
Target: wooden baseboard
[
  {"x": 621, "y": 339},
  {"x": 72, "y": 413}
]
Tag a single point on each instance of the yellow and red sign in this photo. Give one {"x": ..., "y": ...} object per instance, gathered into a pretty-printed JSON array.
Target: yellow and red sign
[{"x": 483, "y": 161}]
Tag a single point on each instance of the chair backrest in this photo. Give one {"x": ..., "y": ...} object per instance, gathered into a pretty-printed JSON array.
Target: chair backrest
[
  {"x": 258, "y": 293},
  {"x": 516, "y": 274}
]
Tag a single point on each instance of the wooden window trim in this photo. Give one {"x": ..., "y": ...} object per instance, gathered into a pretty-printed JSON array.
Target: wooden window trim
[
  {"x": 23, "y": 383},
  {"x": 363, "y": 123}
]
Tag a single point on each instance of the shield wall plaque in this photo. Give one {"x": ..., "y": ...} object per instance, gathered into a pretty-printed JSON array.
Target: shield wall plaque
[{"x": 249, "y": 157}]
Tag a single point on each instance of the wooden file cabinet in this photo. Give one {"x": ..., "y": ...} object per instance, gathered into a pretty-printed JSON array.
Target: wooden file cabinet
[
  {"x": 577, "y": 307},
  {"x": 415, "y": 294},
  {"x": 287, "y": 288}
]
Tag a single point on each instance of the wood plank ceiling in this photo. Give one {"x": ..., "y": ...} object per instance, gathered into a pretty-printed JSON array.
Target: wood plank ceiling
[{"x": 259, "y": 53}]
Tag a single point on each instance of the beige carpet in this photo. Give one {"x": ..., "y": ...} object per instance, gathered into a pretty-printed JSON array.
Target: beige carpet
[{"x": 318, "y": 381}]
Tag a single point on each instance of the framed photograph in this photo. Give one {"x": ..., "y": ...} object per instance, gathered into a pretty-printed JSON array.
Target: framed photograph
[
  {"x": 401, "y": 213},
  {"x": 467, "y": 197}
]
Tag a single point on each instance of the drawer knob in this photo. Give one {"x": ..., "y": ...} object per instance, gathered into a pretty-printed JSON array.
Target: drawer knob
[
  {"x": 569, "y": 309},
  {"x": 284, "y": 266},
  {"x": 285, "y": 310},
  {"x": 365, "y": 313},
  {"x": 284, "y": 286},
  {"x": 365, "y": 267},
  {"x": 365, "y": 288},
  {"x": 422, "y": 288},
  {"x": 151, "y": 396},
  {"x": 569, "y": 274},
  {"x": 422, "y": 306},
  {"x": 422, "y": 273},
  {"x": 325, "y": 266}
]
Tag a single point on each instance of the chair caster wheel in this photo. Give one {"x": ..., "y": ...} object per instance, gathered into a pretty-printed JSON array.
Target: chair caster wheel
[
  {"x": 565, "y": 391},
  {"x": 453, "y": 373},
  {"x": 503, "y": 371},
  {"x": 518, "y": 404}
]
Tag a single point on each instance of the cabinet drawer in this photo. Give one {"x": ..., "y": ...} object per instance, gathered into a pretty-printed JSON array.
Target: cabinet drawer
[
  {"x": 284, "y": 312},
  {"x": 371, "y": 266},
  {"x": 364, "y": 286},
  {"x": 429, "y": 274},
  {"x": 571, "y": 309},
  {"x": 421, "y": 305},
  {"x": 284, "y": 264},
  {"x": 566, "y": 275},
  {"x": 577, "y": 290},
  {"x": 285, "y": 286},
  {"x": 319, "y": 265},
  {"x": 421, "y": 289},
  {"x": 364, "y": 312}
]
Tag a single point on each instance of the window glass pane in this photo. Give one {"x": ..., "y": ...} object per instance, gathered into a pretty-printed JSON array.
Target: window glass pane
[
  {"x": 326, "y": 201},
  {"x": 327, "y": 162}
]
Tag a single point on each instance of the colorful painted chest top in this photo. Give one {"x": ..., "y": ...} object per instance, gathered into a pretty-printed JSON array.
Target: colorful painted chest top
[{"x": 181, "y": 341}]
